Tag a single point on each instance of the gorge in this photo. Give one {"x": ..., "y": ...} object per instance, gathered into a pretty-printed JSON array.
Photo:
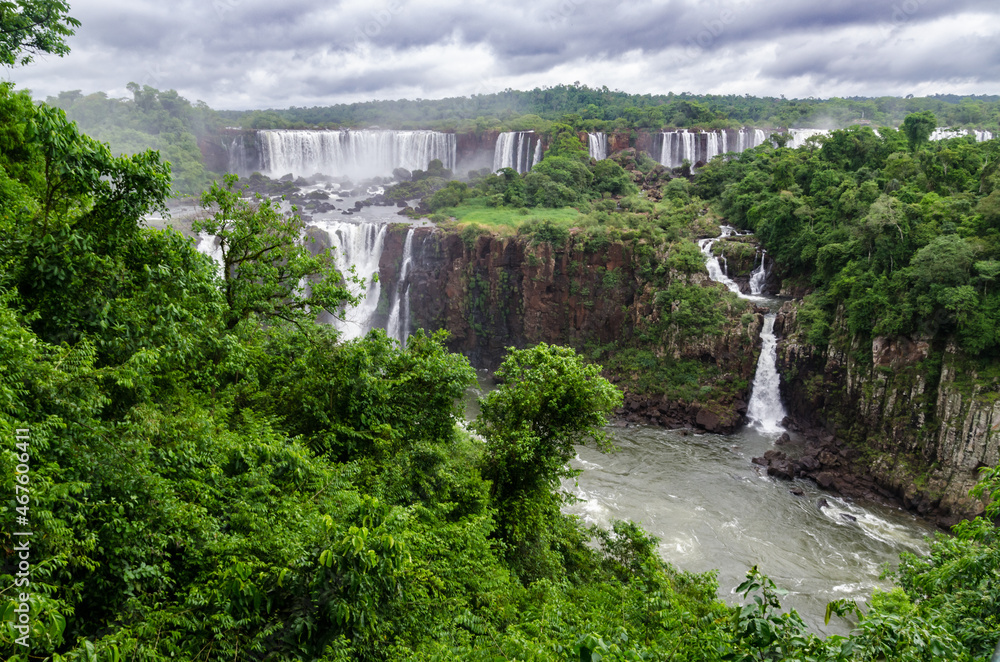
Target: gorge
[
  {"x": 491, "y": 292},
  {"x": 757, "y": 382}
]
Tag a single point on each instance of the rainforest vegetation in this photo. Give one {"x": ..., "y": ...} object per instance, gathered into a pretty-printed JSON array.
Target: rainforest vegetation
[{"x": 212, "y": 475}]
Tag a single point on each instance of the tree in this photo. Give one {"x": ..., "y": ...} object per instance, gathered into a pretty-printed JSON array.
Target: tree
[
  {"x": 31, "y": 27},
  {"x": 549, "y": 400},
  {"x": 74, "y": 213},
  {"x": 945, "y": 261},
  {"x": 266, "y": 272},
  {"x": 918, "y": 128}
]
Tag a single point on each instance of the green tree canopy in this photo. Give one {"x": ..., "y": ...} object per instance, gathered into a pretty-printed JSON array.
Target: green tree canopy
[
  {"x": 267, "y": 273},
  {"x": 32, "y": 27},
  {"x": 918, "y": 128}
]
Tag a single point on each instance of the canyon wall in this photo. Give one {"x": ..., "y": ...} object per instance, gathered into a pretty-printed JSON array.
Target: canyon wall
[
  {"x": 916, "y": 419},
  {"x": 492, "y": 292}
]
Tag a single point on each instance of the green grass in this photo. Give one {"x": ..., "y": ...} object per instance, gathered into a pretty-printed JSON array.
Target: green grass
[{"x": 509, "y": 219}]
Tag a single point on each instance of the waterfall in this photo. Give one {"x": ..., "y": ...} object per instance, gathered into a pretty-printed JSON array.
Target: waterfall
[
  {"x": 943, "y": 133},
  {"x": 209, "y": 245},
  {"x": 398, "y": 326},
  {"x": 716, "y": 143},
  {"x": 365, "y": 153},
  {"x": 357, "y": 245},
  {"x": 236, "y": 156},
  {"x": 676, "y": 146},
  {"x": 712, "y": 262},
  {"x": 748, "y": 138},
  {"x": 765, "y": 410},
  {"x": 513, "y": 150},
  {"x": 800, "y": 136},
  {"x": 758, "y": 276},
  {"x": 597, "y": 145}
]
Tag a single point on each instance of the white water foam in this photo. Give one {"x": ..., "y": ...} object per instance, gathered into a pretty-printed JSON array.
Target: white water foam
[
  {"x": 358, "y": 245},
  {"x": 513, "y": 150},
  {"x": 597, "y": 145},
  {"x": 765, "y": 410},
  {"x": 364, "y": 153},
  {"x": 398, "y": 326}
]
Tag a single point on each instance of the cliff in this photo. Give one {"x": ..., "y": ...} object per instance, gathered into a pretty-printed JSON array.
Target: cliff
[
  {"x": 897, "y": 415},
  {"x": 492, "y": 292}
]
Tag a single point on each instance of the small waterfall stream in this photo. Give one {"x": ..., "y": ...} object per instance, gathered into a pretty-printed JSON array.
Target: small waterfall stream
[
  {"x": 765, "y": 411},
  {"x": 715, "y": 271},
  {"x": 357, "y": 245},
  {"x": 597, "y": 145},
  {"x": 758, "y": 276},
  {"x": 398, "y": 326}
]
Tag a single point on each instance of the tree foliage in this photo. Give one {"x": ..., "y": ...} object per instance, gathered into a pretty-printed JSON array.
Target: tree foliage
[
  {"x": 266, "y": 272},
  {"x": 29, "y": 28}
]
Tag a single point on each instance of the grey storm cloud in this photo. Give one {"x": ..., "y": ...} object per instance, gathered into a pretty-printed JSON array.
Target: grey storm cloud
[{"x": 256, "y": 53}]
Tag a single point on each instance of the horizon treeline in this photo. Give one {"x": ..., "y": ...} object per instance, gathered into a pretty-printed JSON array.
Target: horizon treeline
[{"x": 174, "y": 126}]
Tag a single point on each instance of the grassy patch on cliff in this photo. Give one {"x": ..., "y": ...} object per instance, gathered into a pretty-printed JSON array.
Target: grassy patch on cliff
[{"x": 506, "y": 220}]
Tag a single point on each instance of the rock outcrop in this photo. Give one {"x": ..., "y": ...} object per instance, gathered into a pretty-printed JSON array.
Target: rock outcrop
[{"x": 914, "y": 418}]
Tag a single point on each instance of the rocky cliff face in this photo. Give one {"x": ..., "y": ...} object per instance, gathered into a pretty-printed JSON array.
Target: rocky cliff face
[
  {"x": 474, "y": 151},
  {"x": 914, "y": 419},
  {"x": 492, "y": 292}
]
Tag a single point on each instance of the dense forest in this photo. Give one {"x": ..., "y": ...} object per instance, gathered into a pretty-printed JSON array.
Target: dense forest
[{"x": 207, "y": 473}]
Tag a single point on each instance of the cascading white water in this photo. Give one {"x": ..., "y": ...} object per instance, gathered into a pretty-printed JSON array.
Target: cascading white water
[
  {"x": 712, "y": 262},
  {"x": 236, "y": 156},
  {"x": 676, "y": 146},
  {"x": 358, "y": 245},
  {"x": 398, "y": 326},
  {"x": 765, "y": 410},
  {"x": 716, "y": 143},
  {"x": 798, "y": 137},
  {"x": 513, "y": 150},
  {"x": 748, "y": 138},
  {"x": 597, "y": 145},
  {"x": 944, "y": 133},
  {"x": 364, "y": 153},
  {"x": 758, "y": 276}
]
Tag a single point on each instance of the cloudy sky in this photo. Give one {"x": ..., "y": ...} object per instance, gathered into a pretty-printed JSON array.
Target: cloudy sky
[{"x": 274, "y": 54}]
